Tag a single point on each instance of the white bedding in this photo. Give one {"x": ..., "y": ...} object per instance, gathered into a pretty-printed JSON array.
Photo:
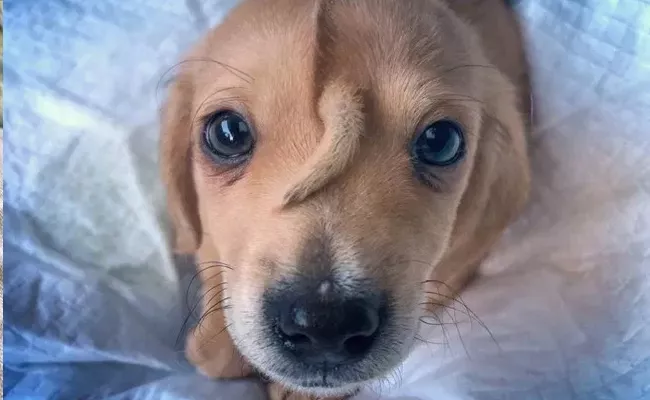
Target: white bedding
[{"x": 566, "y": 296}]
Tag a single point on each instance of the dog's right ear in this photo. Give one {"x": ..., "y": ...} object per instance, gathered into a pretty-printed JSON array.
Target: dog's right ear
[{"x": 176, "y": 165}]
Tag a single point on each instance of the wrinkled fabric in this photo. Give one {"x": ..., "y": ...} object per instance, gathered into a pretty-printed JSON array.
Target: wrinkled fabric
[{"x": 94, "y": 307}]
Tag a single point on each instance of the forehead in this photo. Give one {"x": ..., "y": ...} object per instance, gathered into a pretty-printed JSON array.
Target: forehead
[{"x": 407, "y": 58}]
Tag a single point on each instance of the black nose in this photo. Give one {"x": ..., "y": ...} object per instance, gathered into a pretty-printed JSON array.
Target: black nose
[{"x": 333, "y": 331}]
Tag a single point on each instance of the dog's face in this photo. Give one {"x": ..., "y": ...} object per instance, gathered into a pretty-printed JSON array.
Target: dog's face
[{"x": 335, "y": 156}]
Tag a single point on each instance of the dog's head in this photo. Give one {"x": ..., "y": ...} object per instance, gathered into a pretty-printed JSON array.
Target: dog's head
[{"x": 336, "y": 155}]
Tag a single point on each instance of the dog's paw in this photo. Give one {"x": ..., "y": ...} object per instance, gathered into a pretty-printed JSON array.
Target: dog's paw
[
  {"x": 276, "y": 391},
  {"x": 216, "y": 356}
]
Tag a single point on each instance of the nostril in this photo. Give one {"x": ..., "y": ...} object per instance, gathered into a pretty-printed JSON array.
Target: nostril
[
  {"x": 298, "y": 340},
  {"x": 359, "y": 345},
  {"x": 335, "y": 331},
  {"x": 292, "y": 336}
]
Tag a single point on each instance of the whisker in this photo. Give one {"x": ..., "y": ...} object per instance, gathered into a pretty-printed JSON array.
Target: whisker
[
  {"x": 213, "y": 309},
  {"x": 201, "y": 268},
  {"x": 462, "y": 97},
  {"x": 199, "y": 272},
  {"x": 215, "y": 264},
  {"x": 237, "y": 72},
  {"x": 191, "y": 314},
  {"x": 432, "y": 302},
  {"x": 183, "y": 329},
  {"x": 436, "y": 322},
  {"x": 211, "y": 340},
  {"x": 471, "y": 314},
  {"x": 427, "y": 342},
  {"x": 481, "y": 66},
  {"x": 214, "y": 296},
  {"x": 445, "y": 334},
  {"x": 459, "y": 300},
  {"x": 189, "y": 286},
  {"x": 460, "y": 336}
]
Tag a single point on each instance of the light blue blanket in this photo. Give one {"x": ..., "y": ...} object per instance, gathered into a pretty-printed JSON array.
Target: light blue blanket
[
  {"x": 79, "y": 337},
  {"x": 93, "y": 303}
]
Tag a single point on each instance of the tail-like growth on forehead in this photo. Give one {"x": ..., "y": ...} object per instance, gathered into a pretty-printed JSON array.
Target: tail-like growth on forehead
[{"x": 340, "y": 109}]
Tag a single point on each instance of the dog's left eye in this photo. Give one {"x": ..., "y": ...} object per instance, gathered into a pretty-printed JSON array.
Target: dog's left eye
[
  {"x": 440, "y": 144},
  {"x": 227, "y": 136}
]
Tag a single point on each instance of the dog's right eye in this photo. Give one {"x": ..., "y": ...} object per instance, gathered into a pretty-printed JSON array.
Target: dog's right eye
[
  {"x": 440, "y": 144},
  {"x": 227, "y": 136}
]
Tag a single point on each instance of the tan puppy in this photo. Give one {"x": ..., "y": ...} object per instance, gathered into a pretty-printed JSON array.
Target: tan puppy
[{"x": 334, "y": 165}]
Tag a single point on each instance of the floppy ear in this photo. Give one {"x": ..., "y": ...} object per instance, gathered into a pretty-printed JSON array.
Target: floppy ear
[
  {"x": 497, "y": 189},
  {"x": 176, "y": 166}
]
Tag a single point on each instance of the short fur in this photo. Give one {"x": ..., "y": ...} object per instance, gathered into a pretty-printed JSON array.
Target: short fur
[{"x": 335, "y": 91}]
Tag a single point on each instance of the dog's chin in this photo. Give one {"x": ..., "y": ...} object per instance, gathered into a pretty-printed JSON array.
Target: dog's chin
[
  {"x": 317, "y": 386},
  {"x": 330, "y": 381}
]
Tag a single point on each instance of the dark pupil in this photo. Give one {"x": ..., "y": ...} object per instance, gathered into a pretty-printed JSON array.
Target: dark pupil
[
  {"x": 439, "y": 144},
  {"x": 437, "y": 139},
  {"x": 229, "y": 135},
  {"x": 232, "y": 132}
]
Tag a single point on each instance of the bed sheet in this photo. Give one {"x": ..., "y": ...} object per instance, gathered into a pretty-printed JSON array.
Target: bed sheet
[{"x": 93, "y": 303}]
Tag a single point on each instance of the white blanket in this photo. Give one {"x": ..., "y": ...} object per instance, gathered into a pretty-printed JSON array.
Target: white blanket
[{"x": 564, "y": 301}]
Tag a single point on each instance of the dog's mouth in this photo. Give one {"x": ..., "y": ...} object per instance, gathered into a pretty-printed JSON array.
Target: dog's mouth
[
  {"x": 325, "y": 376},
  {"x": 320, "y": 384},
  {"x": 324, "y": 380}
]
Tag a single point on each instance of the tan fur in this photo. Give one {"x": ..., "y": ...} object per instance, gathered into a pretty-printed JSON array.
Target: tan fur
[
  {"x": 342, "y": 117},
  {"x": 335, "y": 91}
]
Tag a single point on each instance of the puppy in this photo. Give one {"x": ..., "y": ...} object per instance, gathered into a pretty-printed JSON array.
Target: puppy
[{"x": 334, "y": 165}]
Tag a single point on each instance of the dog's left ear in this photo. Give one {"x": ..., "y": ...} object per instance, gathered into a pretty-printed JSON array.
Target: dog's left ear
[{"x": 498, "y": 186}]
